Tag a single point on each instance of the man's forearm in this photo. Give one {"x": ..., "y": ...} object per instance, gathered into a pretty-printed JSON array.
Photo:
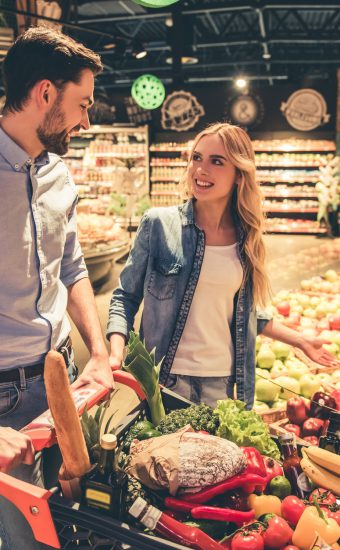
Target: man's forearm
[
  {"x": 274, "y": 329},
  {"x": 83, "y": 312}
]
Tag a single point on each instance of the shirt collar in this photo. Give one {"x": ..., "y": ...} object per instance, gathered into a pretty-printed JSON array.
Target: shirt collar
[{"x": 19, "y": 160}]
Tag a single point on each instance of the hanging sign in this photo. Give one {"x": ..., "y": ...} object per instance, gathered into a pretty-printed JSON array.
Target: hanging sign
[
  {"x": 148, "y": 91},
  {"x": 305, "y": 110},
  {"x": 181, "y": 111},
  {"x": 155, "y": 3},
  {"x": 245, "y": 110}
]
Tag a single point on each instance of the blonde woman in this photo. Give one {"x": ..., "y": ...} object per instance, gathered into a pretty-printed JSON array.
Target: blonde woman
[{"x": 199, "y": 268}]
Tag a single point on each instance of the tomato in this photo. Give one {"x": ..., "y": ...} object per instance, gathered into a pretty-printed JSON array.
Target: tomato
[
  {"x": 332, "y": 511},
  {"x": 278, "y": 533},
  {"x": 292, "y": 508},
  {"x": 323, "y": 496},
  {"x": 246, "y": 540}
]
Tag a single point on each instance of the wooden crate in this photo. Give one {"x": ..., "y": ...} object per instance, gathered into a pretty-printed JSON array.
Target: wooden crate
[
  {"x": 278, "y": 428},
  {"x": 272, "y": 415}
]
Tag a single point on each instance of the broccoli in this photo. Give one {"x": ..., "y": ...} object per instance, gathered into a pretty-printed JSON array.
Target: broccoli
[{"x": 200, "y": 417}]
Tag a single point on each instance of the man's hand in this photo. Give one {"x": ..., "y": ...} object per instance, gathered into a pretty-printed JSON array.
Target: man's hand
[
  {"x": 312, "y": 347},
  {"x": 15, "y": 448},
  {"x": 97, "y": 371}
]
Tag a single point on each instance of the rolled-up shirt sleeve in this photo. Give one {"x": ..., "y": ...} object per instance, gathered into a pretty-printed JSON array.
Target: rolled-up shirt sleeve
[
  {"x": 263, "y": 317},
  {"x": 73, "y": 267}
]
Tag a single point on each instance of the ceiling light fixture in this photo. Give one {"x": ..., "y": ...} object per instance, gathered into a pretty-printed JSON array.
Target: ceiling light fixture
[
  {"x": 138, "y": 51},
  {"x": 185, "y": 60},
  {"x": 241, "y": 82}
]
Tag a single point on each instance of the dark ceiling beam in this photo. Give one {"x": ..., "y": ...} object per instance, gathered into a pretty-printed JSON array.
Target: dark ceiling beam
[
  {"x": 235, "y": 7},
  {"x": 224, "y": 65}
]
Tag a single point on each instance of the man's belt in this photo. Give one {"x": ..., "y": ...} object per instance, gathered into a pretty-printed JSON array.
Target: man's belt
[{"x": 31, "y": 371}]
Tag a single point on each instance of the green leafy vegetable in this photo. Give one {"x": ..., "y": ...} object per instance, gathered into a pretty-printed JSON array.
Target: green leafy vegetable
[
  {"x": 141, "y": 364},
  {"x": 245, "y": 428}
]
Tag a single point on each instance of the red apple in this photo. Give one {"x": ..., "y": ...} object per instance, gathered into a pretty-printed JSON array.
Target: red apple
[
  {"x": 312, "y": 426},
  {"x": 283, "y": 308},
  {"x": 312, "y": 439},
  {"x": 296, "y": 410},
  {"x": 334, "y": 322},
  {"x": 336, "y": 395},
  {"x": 321, "y": 405},
  {"x": 294, "y": 428}
]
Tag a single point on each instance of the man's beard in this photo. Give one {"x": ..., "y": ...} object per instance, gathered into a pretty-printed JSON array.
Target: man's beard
[{"x": 53, "y": 141}]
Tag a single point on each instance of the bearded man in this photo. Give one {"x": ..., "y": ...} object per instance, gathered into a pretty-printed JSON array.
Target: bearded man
[{"x": 49, "y": 82}]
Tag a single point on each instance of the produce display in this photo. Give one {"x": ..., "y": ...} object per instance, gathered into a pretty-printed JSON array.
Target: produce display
[{"x": 214, "y": 479}]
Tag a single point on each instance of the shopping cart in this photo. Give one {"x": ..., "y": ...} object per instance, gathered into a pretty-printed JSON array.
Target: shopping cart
[{"x": 61, "y": 523}]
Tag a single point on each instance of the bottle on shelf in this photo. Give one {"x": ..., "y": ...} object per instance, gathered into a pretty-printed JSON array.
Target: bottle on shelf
[
  {"x": 331, "y": 440},
  {"x": 170, "y": 528},
  {"x": 105, "y": 486},
  {"x": 300, "y": 484}
]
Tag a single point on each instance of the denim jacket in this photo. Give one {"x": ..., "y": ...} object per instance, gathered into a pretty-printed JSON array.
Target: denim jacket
[{"x": 163, "y": 268}]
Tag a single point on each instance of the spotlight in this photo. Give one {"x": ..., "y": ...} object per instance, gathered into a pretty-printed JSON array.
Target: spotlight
[
  {"x": 266, "y": 55},
  {"x": 241, "y": 82},
  {"x": 138, "y": 51}
]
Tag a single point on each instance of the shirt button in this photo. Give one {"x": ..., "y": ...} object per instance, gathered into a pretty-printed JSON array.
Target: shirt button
[{"x": 16, "y": 166}]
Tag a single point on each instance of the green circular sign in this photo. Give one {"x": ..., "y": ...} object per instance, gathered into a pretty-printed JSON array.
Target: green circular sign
[
  {"x": 155, "y": 3},
  {"x": 148, "y": 91}
]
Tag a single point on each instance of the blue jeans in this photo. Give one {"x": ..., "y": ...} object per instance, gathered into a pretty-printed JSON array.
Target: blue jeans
[
  {"x": 202, "y": 389},
  {"x": 20, "y": 403}
]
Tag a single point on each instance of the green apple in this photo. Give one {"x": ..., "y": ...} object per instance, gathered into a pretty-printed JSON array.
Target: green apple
[
  {"x": 332, "y": 348},
  {"x": 337, "y": 385},
  {"x": 303, "y": 300},
  {"x": 314, "y": 301},
  {"x": 324, "y": 377},
  {"x": 306, "y": 284},
  {"x": 310, "y": 313},
  {"x": 260, "y": 406},
  {"x": 287, "y": 384},
  {"x": 265, "y": 357},
  {"x": 331, "y": 276},
  {"x": 335, "y": 337},
  {"x": 309, "y": 384},
  {"x": 280, "y": 349},
  {"x": 296, "y": 368},
  {"x": 262, "y": 373},
  {"x": 258, "y": 342},
  {"x": 266, "y": 391},
  {"x": 326, "y": 286},
  {"x": 326, "y": 335},
  {"x": 278, "y": 369},
  {"x": 336, "y": 376}
]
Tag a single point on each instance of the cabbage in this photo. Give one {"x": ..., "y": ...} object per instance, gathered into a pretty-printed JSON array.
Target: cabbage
[{"x": 245, "y": 428}]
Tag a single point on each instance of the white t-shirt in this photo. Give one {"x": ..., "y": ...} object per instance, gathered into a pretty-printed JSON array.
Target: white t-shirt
[{"x": 206, "y": 347}]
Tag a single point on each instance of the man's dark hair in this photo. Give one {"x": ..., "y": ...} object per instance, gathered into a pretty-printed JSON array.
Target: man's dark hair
[{"x": 41, "y": 53}]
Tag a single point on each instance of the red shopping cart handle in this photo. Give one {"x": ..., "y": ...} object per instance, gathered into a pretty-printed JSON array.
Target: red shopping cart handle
[{"x": 41, "y": 430}]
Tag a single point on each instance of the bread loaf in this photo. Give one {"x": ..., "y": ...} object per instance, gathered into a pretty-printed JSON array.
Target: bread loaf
[{"x": 66, "y": 420}]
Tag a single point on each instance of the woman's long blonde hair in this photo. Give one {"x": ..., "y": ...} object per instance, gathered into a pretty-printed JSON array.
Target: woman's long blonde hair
[{"x": 246, "y": 199}]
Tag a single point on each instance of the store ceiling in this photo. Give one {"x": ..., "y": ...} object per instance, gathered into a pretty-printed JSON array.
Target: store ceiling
[{"x": 267, "y": 41}]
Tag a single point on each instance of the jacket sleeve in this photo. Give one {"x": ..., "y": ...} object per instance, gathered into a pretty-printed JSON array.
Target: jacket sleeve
[
  {"x": 263, "y": 317},
  {"x": 127, "y": 297},
  {"x": 73, "y": 267}
]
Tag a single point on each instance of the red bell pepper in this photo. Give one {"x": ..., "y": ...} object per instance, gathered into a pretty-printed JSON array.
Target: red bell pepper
[
  {"x": 178, "y": 504},
  {"x": 255, "y": 461},
  {"x": 222, "y": 514},
  {"x": 246, "y": 481}
]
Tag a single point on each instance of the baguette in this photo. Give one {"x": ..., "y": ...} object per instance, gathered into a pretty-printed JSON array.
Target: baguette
[{"x": 66, "y": 420}]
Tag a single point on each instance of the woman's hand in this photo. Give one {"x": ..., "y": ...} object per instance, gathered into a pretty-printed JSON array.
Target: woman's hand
[
  {"x": 313, "y": 348},
  {"x": 115, "y": 362}
]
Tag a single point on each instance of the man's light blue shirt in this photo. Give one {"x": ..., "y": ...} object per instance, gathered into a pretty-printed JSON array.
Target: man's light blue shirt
[{"x": 40, "y": 253}]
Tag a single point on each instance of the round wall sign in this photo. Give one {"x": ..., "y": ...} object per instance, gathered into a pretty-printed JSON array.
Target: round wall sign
[
  {"x": 155, "y": 3},
  {"x": 148, "y": 91},
  {"x": 245, "y": 109},
  {"x": 305, "y": 110}
]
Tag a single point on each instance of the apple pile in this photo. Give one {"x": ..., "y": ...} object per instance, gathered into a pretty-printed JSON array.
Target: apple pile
[
  {"x": 307, "y": 419},
  {"x": 276, "y": 361}
]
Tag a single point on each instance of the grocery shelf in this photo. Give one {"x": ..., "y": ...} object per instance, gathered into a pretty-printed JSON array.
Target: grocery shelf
[
  {"x": 168, "y": 164},
  {"x": 165, "y": 179},
  {"x": 164, "y": 193},
  {"x": 292, "y": 231},
  {"x": 117, "y": 155},
  {"x": 283, "y": 195},
  {"x": 291, "y": 210},
  {"x": 290, "y": 166}
]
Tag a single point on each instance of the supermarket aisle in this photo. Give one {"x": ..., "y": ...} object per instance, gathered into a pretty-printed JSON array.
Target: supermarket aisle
[{"x": 290, "y": 259}]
